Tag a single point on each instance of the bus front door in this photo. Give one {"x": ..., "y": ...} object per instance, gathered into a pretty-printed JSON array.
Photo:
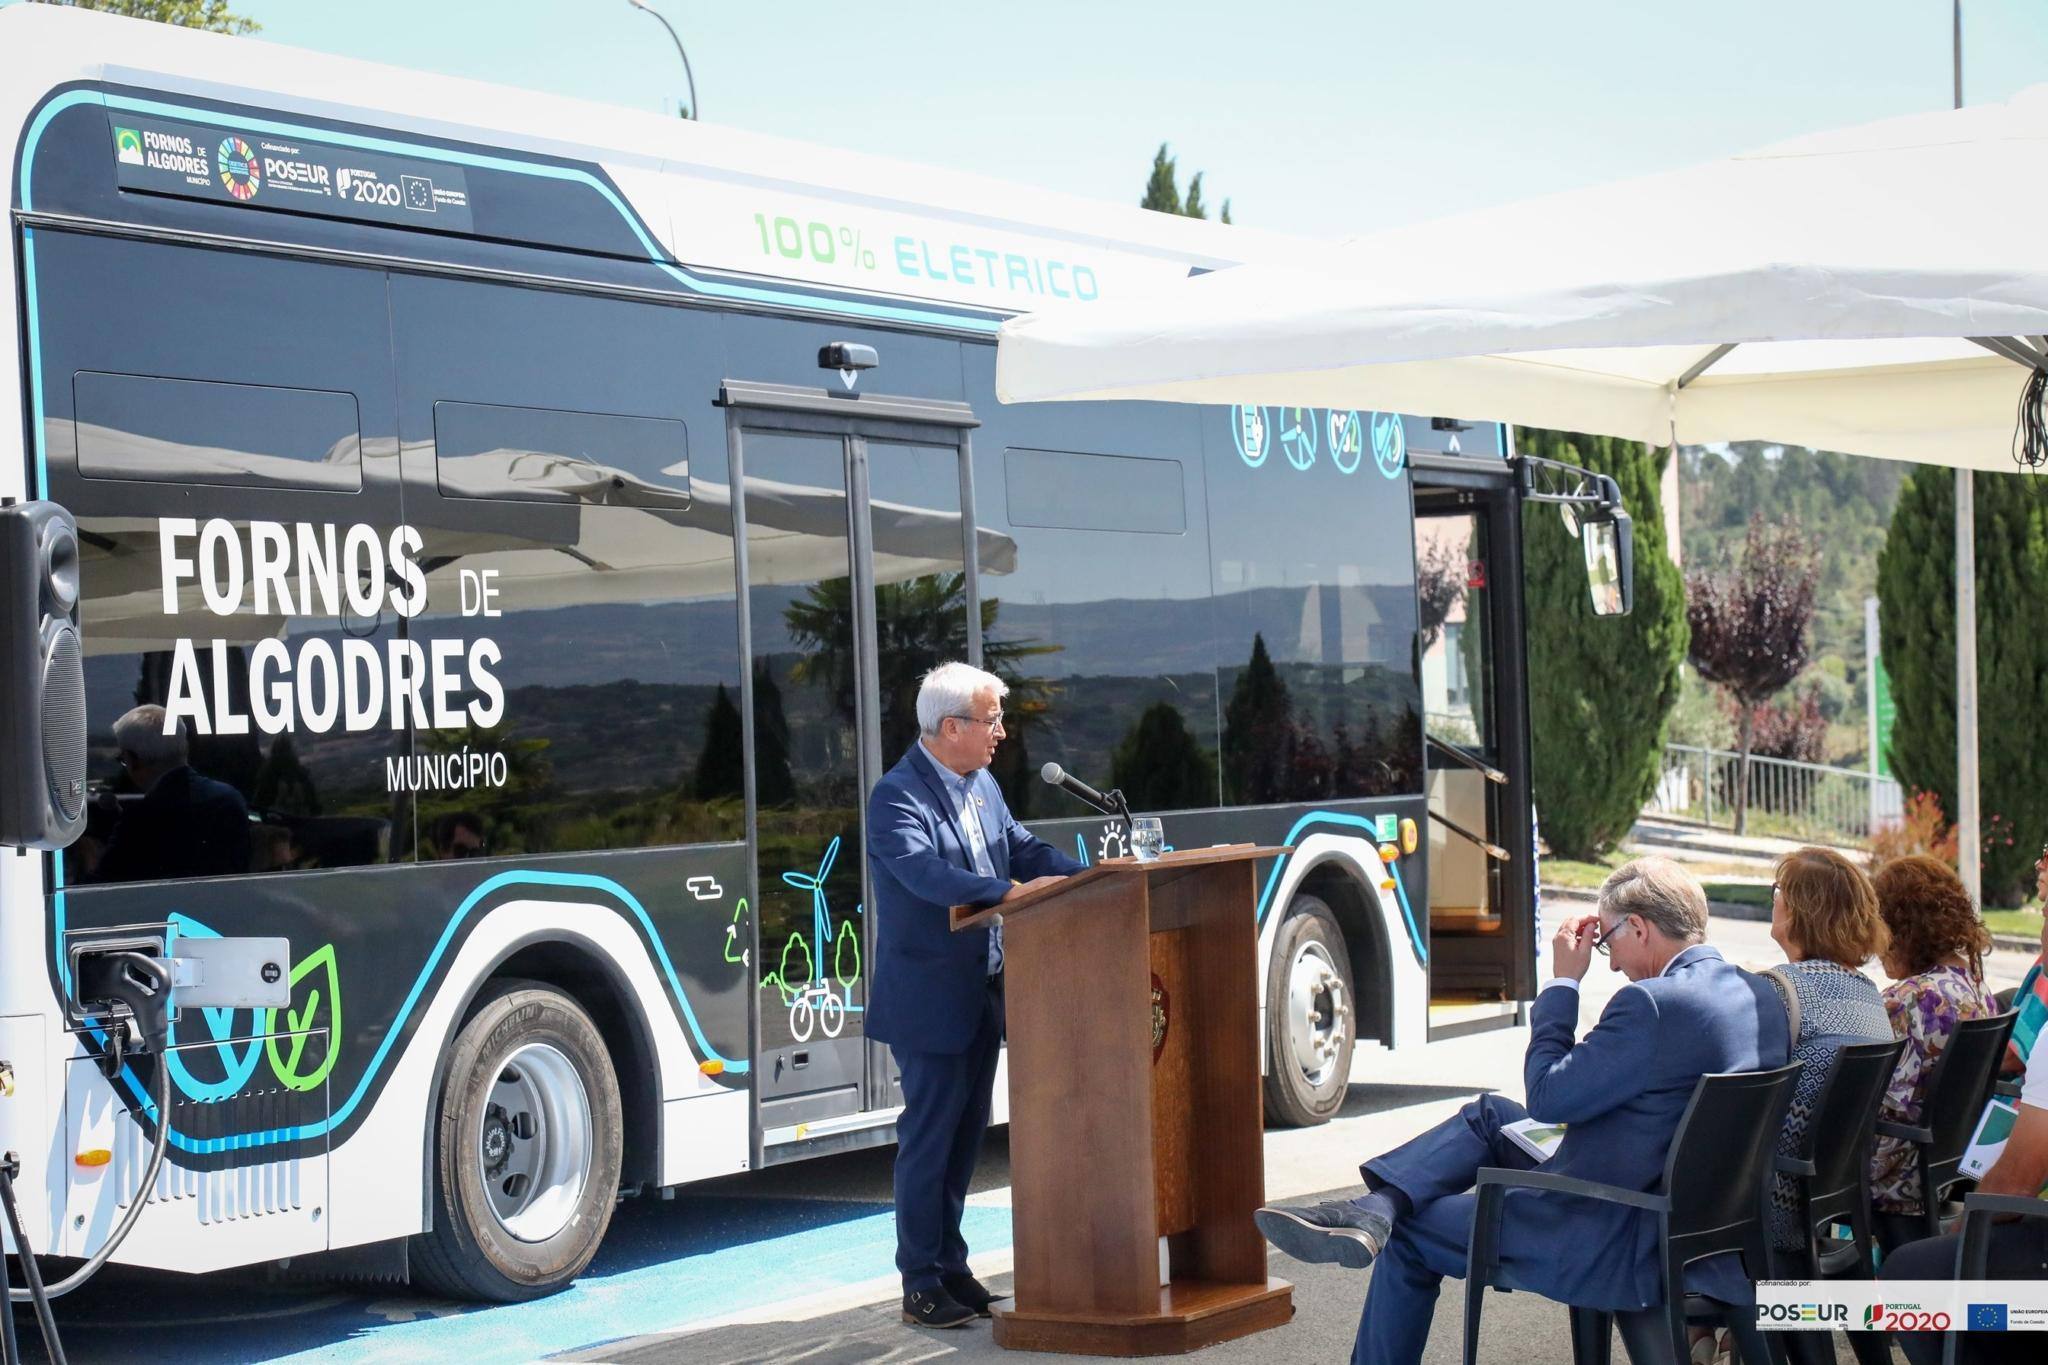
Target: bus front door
[
  {"x": 857, "y": 582},
  {"x": 1482, "y": 911}
]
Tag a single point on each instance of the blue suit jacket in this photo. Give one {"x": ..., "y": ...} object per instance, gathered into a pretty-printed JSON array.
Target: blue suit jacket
[
  {"x": 1621, "y": 1090},
  {"x": 929, "y": 983}
]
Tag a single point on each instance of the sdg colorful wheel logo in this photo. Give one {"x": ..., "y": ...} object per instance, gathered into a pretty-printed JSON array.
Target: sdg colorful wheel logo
[
  {"x": 1347, "y": 441},
  {"x": 240, "y": 173},
  {"x": 1389, "y": 443},
  {"x": 1251, "y": 429}
]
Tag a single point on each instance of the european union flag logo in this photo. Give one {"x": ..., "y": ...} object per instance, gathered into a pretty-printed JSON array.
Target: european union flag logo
[{"x": 1985, "y": 1317}]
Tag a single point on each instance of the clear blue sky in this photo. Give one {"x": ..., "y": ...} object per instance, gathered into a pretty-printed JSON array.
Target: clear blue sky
[{"x": 1331, "y": 118}]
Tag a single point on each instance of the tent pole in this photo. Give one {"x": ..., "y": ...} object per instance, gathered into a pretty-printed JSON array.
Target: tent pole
[
  {"x": 1969, "y": 840},
  {"x": 1969, "y": 844}
]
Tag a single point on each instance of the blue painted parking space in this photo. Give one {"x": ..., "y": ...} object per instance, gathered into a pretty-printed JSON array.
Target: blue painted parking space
[{"x": 663, "y": 1266}]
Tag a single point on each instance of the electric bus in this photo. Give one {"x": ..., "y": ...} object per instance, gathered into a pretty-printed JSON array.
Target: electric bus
[{"x": 510, "y": 533}]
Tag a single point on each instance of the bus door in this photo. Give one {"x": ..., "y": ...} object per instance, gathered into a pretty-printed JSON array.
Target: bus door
[
  {"x": 1482, "y": 912},
  {"x": 857, "y": 580}
]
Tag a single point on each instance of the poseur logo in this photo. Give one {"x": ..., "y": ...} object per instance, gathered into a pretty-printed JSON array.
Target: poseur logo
[{"x": 128, "y": 146}]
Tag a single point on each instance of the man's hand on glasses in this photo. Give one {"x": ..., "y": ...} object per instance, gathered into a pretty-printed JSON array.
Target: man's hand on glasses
[{"x": 1571, "y": 948}]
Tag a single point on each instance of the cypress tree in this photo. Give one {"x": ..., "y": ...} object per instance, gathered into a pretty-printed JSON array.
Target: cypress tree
[
  {"x": 1160, "y": 765},
  {"x": 1162, "y": 194},
  {"x": 1258, "y": 731},
  {"x": 1917, "y": 634},
  {"x": 721, "y": 767},
  {"x": 1600, "y": 688}
]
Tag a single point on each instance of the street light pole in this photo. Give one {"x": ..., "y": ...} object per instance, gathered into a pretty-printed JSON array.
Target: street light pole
[
  {"x": 1969, "y": 836},
  {"x": 688, "y": 78}
]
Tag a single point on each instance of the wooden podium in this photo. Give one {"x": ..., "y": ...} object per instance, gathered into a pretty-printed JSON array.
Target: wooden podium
[{"x": 1135, "y": 1112}]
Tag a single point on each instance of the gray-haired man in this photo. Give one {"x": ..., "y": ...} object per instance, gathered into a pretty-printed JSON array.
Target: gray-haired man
[
  {"x": 1621, "y": 1090},
  {"x": 939, "y": 835}
]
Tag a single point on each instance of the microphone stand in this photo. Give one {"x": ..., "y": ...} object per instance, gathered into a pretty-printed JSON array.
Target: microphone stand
[{"x": 1122, "y": 811}]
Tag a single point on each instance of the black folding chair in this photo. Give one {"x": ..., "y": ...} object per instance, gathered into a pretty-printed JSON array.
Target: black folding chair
[
  {"x": 1712, "y": 1202},
  {"x": 1831, "y": 1181},
  {"x": 1974, "y": 1249},
  {"x": 1957, "y": 1090}
]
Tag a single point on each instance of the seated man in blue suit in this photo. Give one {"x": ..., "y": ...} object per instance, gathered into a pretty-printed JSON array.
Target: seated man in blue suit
[
  {"x": 939, "y": 835},
  {"x": 1621, "y": 1089}
]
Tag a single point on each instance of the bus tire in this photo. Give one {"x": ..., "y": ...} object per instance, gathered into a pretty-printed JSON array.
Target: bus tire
[
  {"x": 1311, "y": 1017},
  {"x": 527, "y": 1146}
]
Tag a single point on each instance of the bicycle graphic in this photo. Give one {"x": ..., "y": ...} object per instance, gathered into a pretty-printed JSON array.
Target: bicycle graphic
[
  {"x": 812, "y": 997},
  {"x": 824, "y": 1004}
]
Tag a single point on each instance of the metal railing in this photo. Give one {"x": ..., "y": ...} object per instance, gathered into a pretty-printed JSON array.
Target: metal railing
[{"x": 1793, "y": 800}]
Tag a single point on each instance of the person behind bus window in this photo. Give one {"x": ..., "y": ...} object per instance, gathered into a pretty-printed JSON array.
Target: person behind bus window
[
  {"x": 459, "y": 834},
  {"x": 1937, "y": 959},
  {"x": 185, "y": 825}
]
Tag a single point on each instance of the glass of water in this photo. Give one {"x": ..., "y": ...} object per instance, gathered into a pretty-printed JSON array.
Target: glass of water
[{"x": 1148, "y": 838}]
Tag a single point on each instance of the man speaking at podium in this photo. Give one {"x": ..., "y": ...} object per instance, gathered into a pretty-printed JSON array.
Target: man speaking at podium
[{"x": 939, "y": 835}]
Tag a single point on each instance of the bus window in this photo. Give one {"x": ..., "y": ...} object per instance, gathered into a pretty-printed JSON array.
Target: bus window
[
  {"x": 921, "y": 586},
  {"x": 1063, "y": 489},
  {"x": 1315, "y": 600},
  {"x": 485, "y": 450},
  {"x": 221, "y": 423},
  {"x": 1102, "y": 625},
  {"x": 193, "y": 431},
  {"x": 608, "y": 626}
]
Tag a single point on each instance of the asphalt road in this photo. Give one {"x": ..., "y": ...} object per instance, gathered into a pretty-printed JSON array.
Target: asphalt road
[{"x": 794, "y": 1263}]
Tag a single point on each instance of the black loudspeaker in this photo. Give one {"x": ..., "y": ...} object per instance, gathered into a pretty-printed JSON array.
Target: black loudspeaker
[{"x": 42, "y": 678}]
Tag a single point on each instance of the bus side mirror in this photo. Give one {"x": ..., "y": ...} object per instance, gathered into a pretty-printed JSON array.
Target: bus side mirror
[{"x": 1609, "y": 541}]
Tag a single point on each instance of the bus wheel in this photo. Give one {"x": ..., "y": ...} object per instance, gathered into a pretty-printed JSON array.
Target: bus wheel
[
  {"x": 1309, "y": 1017},
  {"x": 526, "y": 1150}
]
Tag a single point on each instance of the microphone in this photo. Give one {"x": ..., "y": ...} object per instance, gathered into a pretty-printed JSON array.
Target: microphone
[{"x": 1073, "y": 786}]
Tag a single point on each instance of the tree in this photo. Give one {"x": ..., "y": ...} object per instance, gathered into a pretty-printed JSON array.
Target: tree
[
  {"x": 1440, "y": 570},
  {"x": 1162, "y": 189},
  {"x": 1749, "y": 627},
  {"x": 1160, "y": 765},
  {"x": 721, "y": 767},
  {"x": 774, "y": 780},
  {"x": 1258, "y": 733},
  {"x": 1916, "y": 630},
  {"x": 1600, "y": 688},
  {"x": 212, "y": 15}
]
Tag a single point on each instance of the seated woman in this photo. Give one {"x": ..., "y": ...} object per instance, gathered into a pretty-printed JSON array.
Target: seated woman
[
  {"x": 1937, "y": 959},
  {"x": 1824, "y": 915}
]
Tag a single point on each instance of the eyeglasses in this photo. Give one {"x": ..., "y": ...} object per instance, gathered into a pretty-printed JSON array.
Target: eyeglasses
[
  {"x": 994, "y": 722},
  {"x": 1607, "y": 935}
]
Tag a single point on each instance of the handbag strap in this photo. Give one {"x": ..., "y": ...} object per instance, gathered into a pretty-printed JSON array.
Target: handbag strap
[{"x": 1781, "y": 977}]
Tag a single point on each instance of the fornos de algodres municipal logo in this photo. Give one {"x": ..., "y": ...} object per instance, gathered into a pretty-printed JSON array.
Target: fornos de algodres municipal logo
[{"x": 240, "y": 173}]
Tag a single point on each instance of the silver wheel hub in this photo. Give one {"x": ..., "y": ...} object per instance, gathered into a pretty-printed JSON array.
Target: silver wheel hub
[
  {"x": 535, "y": 1142},
  {"x": 1318, "y": 1015}
]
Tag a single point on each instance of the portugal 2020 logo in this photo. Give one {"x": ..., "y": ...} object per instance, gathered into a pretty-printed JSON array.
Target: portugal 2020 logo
[{"x": 239, "y": 171}]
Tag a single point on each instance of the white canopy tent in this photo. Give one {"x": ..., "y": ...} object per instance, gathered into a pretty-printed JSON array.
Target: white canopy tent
[{"x": 1881, "y": 290}]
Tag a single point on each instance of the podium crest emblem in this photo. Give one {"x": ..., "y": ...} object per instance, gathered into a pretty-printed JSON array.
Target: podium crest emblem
[{"x": 1162, "y": 1015}]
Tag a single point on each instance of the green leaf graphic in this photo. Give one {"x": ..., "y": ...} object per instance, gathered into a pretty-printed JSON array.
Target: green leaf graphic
[{"x": 326, "y": 986}]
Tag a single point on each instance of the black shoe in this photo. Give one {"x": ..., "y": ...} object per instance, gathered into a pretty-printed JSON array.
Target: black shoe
[
  {"x": 971, "y": 1293},
  {"x": 935, "y": 1308},
  {"x": 1338, "y": 1231}
]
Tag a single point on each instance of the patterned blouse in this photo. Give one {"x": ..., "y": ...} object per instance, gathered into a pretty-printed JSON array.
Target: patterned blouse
[
  {"x": 1925, "y": 1010},
  {"x": 1837, "y": 1007}
]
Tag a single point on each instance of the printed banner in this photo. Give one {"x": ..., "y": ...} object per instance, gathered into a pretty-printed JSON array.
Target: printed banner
[{"x": 1902, "y": 1305}]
